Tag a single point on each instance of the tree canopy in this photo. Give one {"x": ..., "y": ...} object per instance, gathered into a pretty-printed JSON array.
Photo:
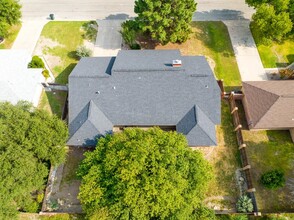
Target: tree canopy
[
  {"x": 273, "y": 19},
  {"x": 140, "y": 174},
  {"x": 9, "y": 14},
  {"x": 30, "y": 140},
  {"x": 165, "y": 21}
]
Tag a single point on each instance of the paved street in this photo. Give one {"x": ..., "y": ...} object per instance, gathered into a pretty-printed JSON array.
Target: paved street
[{"x": 101, "y": 9}]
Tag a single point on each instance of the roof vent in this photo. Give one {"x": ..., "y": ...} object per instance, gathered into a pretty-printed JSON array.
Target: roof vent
[{"x": 177, "y": 63}]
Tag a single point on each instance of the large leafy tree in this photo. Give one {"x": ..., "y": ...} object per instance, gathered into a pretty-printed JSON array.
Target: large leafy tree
[
  {"x": 9, "y": 14},
  {"x": 30, "y": 140},
  {"x": 273, "y": 19},
  {"x": 140, "y": 174},
  {"x": 165, "y": 21}
]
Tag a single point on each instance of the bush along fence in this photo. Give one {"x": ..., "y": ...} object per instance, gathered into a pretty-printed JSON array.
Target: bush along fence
[{"x": 231, "y": 97}]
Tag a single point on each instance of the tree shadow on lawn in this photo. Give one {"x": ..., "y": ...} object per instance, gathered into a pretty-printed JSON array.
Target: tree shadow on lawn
[
  {"x": 62, "y": 78},
  {"x": 73, "y": 55},
  {"x": 215, "y": 36}
]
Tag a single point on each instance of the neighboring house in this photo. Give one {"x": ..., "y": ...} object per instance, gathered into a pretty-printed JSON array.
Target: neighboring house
[
  {"x": 17, "y": 82},
  {"x": 269, "y": 105},
  {"x": 143, "y": 88}
]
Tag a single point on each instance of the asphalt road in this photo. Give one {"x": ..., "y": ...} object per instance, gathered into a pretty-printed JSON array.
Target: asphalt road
[{"x": 122, "y": 9}]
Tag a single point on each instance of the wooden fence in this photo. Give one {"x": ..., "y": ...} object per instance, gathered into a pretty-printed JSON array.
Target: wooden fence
[{"x": 242, "y": 147}]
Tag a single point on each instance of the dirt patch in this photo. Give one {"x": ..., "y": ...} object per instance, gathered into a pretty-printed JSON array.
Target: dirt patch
[
  {"x": 64, "y": 196},
  {"x": 44, "y": 43}
]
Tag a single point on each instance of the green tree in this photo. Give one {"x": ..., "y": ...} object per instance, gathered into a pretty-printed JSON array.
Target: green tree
[
  {"x": 165, "y": 21},
  {"x": 271, "y": 25},
  {"x": 30, "y": 140},
  {"x": 9, "y": 14},
  {"x": 274, "y": 19},
  {"x": 140, "y": 174}
]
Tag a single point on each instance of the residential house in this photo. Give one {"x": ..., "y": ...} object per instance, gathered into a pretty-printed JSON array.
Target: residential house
[
  {"x": 143, "y": 88},
  {"x": 269, "y": 105},
  {"x": 17, "y": 81}
]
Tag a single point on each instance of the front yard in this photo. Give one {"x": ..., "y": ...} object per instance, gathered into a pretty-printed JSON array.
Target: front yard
[
  {"x": 58, "y": 43},
  {"x": 211, "y": 39},
  {"x": 276, "y": 54}
]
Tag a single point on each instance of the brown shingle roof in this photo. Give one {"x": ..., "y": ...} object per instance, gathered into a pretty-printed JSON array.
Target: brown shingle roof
[{"x": 269, "y": 104}]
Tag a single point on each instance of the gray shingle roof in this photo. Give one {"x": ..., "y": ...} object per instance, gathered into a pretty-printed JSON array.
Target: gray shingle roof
[{"x": 142, "y": 88}]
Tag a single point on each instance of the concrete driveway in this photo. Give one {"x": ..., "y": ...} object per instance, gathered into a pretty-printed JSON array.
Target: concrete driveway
[
  {"x": 109, "y": 40},
  {"x": 247, "y": 56}
]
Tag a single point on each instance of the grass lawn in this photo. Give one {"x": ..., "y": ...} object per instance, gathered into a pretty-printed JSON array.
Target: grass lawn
[
  {"x": 211, "y": 38},
  {"x": 58, "y": 43},
  {"x": 223, "y": 191},
  {"x": 12, "y": 34},
  {"x": 68, "y": 35},
  {"x": 53, "y": 102},
  {"x": 268, "y": 150},
  {"x": 275, "y": 54}
]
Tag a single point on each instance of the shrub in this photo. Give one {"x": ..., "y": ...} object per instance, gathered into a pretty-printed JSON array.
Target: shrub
[
  {"x": 83, "y": 51},
  {"x": 273, "y": 179},
  {"x": 90, "y": 29},
  {"x": 36, "y": 62},
  {"x": 129, "y": 33},
  {"x": 244, "y": 204},
  {"x": 40, "y": 198},
  {"x": 45, "y": 73}
]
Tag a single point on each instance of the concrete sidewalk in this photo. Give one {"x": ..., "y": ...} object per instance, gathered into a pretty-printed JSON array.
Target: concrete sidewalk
[
  {"x": 29, "y": 34},
  {"x": 109, "y": 40},
  {"x": 248, "y": 59}
]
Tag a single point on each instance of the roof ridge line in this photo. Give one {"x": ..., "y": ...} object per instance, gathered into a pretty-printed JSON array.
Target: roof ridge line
[
  {"x": 200, "y": 123},
  {"x": 278, "y": 97},
  {"x": 261, "y": 88}
]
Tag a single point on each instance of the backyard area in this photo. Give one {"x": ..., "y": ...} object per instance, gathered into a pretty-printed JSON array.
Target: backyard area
[
  {"x": 58, "y": 44},
  {"x": 211, "y": 39},
  {"x": 12, "y": 34},
  {"x": 66, "y": 185},
  {"x": 270, "y": 150},
  {"x": 275, "y": 54},
  {"x": 223, "y": 190},
  {"x": 266, "y": 151}
]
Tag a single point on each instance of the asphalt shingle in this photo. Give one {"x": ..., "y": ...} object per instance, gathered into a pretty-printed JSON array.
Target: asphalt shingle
[{"x": 142, "y": 88}]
